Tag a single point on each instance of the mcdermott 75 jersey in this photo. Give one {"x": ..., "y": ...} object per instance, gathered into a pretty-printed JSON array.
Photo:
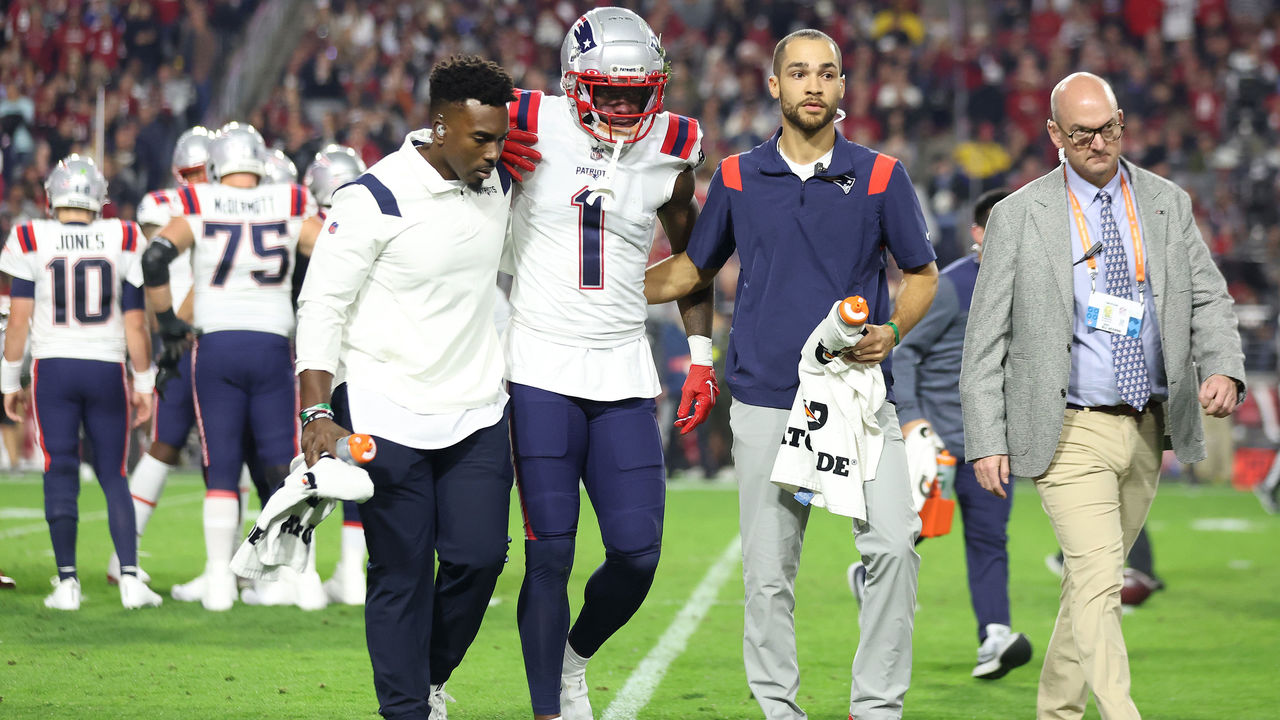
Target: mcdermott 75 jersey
[
  {"x": 578, "y": 256},
  {"x": 154, "y": 212},
  {"x": 83, "y": 277},
  {"x": 245, "y": 239}
]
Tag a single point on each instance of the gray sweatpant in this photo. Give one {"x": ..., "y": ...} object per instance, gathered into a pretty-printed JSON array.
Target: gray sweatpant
[{"x": 772, "y": 524}]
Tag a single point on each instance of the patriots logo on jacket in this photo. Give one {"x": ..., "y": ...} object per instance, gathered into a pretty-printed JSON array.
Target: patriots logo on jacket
[{"x": 845, "y": 182}]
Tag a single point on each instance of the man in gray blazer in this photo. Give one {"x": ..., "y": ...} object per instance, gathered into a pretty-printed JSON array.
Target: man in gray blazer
[{"x": 1100, "y": 329}]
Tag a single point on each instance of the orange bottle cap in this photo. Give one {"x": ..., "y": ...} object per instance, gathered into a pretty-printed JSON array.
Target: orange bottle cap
[
  {"x": 853, "y": 310},
  {"x": 362, "y": 447}
]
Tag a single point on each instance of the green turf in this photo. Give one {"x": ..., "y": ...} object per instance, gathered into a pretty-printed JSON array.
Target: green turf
[{"x": 1208, "y": 647}]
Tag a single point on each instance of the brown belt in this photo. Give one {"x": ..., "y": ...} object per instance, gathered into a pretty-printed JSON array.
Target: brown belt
[{"x": 1122, "y": 409}]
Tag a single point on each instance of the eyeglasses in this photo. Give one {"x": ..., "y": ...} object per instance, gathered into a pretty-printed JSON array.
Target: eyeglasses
[{"x": 1083, "y": 137}]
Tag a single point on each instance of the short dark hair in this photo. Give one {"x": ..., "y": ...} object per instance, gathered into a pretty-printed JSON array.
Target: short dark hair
[
  {"x": 462, "y": 77},
  {"x": 986, "y": 201},
  {"x": 808, "y": 34}
]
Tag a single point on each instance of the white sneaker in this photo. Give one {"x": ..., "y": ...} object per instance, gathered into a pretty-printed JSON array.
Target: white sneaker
[
  {"x": 437, "y": 701},
  {"x": 574, "y": 702},
  {"x": 192, "y": 591},
  {"x": 856, "y": 576},
  {"x": 135, "y": 594},
  {"x": 65, "y": 596},
  {"x": 347, "y": 586},
  {"x": 220, "y": 591},
  {"x": 310, "y": 593},
  {"x": 1053, "y": 562},
  {"x": 113, "y": 571},
  {"x": 1002, "y": 651}
]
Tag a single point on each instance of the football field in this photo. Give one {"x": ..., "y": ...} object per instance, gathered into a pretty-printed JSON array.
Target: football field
[{"x": 1206, "y": 647}]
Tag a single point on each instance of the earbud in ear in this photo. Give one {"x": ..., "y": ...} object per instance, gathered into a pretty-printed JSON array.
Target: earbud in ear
[{"x": 439, "y": 131}]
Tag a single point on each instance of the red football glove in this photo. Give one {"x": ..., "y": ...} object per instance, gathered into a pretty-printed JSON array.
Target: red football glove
[
  {"x": 697, "y": 397},
  {"x": 517, "y": 154}
]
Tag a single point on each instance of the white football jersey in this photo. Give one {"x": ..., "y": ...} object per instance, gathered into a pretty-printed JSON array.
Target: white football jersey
[
  {"x": 242, "y": 260},
  {"x": 78, "y": 272},
  {"x": 579, "y": 257},
  {"x": 155, "y": 211}
]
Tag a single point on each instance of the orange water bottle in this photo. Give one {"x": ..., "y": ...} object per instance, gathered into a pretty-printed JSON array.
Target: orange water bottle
[
  {"x": 939, "y": 507},
  {"x": 357, "y": 448}
]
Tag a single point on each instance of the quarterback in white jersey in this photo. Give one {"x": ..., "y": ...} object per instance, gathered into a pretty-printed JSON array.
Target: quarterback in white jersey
[
  {"x": 77, "y": 291},
  {"x": 582, "y": 376},
  {"x": 243, "y": 238}
]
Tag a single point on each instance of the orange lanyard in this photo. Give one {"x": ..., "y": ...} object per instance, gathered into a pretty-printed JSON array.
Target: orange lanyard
[{"x": 1135, "y": 234}]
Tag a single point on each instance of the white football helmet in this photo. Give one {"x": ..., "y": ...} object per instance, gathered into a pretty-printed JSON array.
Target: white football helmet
[
  {"x": 191, "y": 152},
  {"x": 614, "y": 50},
  {"x": 280, "y": 169},
  {"x": 334, "y": 166},
  {"x": 237, "y": 147},
  {"x": 76, "y": 182}
]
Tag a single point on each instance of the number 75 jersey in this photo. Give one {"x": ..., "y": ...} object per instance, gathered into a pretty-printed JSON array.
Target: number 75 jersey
[
  {"x": 242, "y": 260},
  {"x": 578, "y": 257},
  {"x": 82, "y": 278}
]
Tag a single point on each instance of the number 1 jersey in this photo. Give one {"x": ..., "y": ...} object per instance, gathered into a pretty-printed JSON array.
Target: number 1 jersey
[
  {"x": 83, "y": 277},
  {"x": 578, "y": 257},
  {"x": 245, "y": 240}
]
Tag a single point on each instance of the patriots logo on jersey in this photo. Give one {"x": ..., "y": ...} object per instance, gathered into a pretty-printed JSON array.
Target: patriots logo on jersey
[{"x": 845, "y": 182}]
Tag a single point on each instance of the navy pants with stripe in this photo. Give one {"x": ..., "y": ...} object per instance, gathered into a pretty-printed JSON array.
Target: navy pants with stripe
[
  {"x": 244, "y": 383},
  {"x": 69, "y": 392},
  {"x": 616, "y": 450},
  {"x": 985, "y": 518},
  {"x": 175, "y": 410},
  {"x": 452, "y": 502}
]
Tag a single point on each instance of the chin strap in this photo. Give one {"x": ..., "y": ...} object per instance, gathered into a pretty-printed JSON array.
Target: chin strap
[{"x": 604, "y": 188}]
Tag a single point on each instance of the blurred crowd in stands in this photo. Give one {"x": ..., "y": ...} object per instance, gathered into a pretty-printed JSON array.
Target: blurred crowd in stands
[{"x": 958, "y": 90}]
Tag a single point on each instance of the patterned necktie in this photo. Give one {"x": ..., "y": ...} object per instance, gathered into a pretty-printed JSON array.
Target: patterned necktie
[{"x": 1126, "y": 352}]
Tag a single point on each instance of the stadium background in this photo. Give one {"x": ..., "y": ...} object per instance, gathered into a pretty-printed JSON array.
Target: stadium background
[{"x": 957, "y": 90}]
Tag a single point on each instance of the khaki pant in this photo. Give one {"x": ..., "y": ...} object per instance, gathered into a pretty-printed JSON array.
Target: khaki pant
[{"x": 1096, "y": 492}]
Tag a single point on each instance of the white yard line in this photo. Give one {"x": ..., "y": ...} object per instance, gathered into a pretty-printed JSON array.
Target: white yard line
[
  {"x": 93, "y": 516},
  {"x": 638, "y": 690}
]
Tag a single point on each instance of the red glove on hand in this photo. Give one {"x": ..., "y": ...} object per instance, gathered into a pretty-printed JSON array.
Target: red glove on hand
[
  {"x": 697, "y": 397},
  {"x": 517, "y": 154}
]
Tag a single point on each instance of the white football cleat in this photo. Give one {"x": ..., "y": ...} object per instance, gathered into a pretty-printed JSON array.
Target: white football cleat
[
  {"x": 437, "y": 701},
  {"x": 113, "y": 571},
  {"x": 310, "y": 592},
  {"x": 192, "y": 591},
  {"x": 65, "y": 596},
  {"x": 135, "y": 594},
  {"x": 347, "y": 586},
  {"x": 574, "y": 703},
  {"x": 281, "y": 591},
  {"x": 220, "y": 590}
]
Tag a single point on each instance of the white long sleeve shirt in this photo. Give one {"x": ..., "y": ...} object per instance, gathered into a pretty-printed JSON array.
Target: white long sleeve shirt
[{"x": 398, "y": 300}]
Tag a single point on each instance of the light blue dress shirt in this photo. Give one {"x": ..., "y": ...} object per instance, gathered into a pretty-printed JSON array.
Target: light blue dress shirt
[{"x": 1093, "y": 377}]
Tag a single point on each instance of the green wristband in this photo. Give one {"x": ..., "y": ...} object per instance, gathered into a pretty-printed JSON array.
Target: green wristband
[
  {"x": 897, "y": 336},
  {"x": 325, "y": 407}
]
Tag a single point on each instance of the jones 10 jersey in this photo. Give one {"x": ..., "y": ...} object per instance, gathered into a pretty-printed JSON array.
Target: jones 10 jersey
[
  {"x": 82, "y": 278},
  {"x": 242, "y": 260}
]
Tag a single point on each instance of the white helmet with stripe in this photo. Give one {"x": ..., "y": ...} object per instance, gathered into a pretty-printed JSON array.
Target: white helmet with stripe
[
  {"x": 334, "y": 166},
  {"x": 76, "y": 182},
  {"x": 237, "y": 148}
]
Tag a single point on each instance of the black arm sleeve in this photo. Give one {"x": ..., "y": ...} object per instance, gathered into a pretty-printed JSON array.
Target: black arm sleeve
[{"x": 155, "y": 262}]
